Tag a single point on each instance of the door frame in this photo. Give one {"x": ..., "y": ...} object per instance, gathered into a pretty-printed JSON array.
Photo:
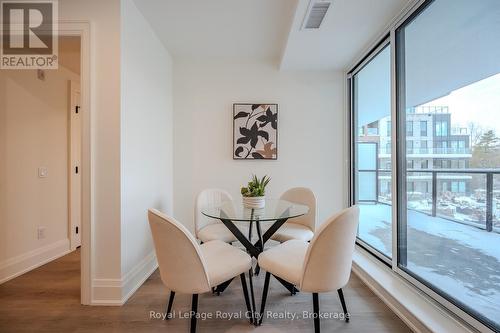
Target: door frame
[
  {"x": 83, "y": 30},
  {"x": 74, "y": 166}
]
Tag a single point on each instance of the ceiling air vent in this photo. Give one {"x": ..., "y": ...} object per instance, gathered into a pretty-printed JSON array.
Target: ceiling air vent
[{"x": 315, "y": 14}]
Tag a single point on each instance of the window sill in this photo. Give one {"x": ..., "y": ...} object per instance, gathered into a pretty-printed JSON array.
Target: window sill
[{"x": 416, "y": 309}]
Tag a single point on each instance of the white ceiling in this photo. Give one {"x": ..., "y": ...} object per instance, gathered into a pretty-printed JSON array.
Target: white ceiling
[
  {"x": 268, "y": 29},
  {"x": 347, "y": 29},
  {"x": 243, "y": 29}
]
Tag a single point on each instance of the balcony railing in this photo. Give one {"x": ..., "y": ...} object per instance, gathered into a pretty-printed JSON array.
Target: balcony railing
[
  {"x": 430, "y": 151},
  {"x": 431, "y": 109},
  {"x": 482, "y": 196}
]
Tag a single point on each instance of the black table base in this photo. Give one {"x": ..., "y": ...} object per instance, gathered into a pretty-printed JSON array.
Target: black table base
[{"x": 254, "y": 250}]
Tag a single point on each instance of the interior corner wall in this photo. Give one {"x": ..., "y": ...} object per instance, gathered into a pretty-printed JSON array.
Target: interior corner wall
[
  {"x": 146, "y": 142},
  {"x": 310, "y": 129},
  {"x": 104, "y": 18}
]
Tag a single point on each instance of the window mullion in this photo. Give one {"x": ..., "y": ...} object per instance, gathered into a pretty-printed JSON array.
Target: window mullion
[{"x": 394, "y": 155}]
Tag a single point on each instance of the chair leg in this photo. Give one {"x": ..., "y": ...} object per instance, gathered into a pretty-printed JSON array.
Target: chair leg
[
  {"x": 245, "y": 294},
  {"x": 194, "y": 312},
  {"x": 264, "y": 297},
  {"x": 290, "y": 287},
  {"x": 221, "y": 287},
  {"x": 252, "y": 295},
  {"x": 344, "y": 307},
  {"x": 316, "y": 312},
  {"x": 169, "y": 306}
]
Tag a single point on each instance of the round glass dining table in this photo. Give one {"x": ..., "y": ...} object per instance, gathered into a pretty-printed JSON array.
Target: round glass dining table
[{"x": 275, "y": 211}]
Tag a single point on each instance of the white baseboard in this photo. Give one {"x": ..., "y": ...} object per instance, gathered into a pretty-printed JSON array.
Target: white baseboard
[
  {"x": 26, "y": 262},
  {"x": 106, "y": 292},
  {"x": 116, "y": 292},
  {"x": 138, "y": 275},
  {"x": 111, "y": 292},
  {"x": 421, "y": 314}
]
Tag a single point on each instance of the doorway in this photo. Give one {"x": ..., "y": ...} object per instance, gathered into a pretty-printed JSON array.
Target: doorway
[
  {"x": 45, "y": 165},
  {"x": 39, "y": 140}
]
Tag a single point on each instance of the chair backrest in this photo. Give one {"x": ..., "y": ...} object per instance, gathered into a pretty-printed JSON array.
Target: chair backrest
[
  {"x": 328, "y": 261},
  {"x": 304, "y": 196},
  {"x": 205, "y": 198},
  {"x": 182, "y": 266}
]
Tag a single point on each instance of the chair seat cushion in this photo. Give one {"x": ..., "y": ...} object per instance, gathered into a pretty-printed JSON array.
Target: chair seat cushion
[
  {"x": 285, "y": 260},
  {"x": 216, "y": 231},
  {"x": 223, "y": 261},
  {"x": 290, "y": 231}
]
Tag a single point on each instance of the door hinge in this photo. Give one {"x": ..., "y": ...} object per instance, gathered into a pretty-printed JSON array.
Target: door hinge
[
  {"x": 77, "y": 230},
  {"x": 76, "y": 169},
  {"x": 77, "y": 108}
]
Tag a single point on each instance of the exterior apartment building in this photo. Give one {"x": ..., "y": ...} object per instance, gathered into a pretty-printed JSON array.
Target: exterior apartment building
[{"x": 431, "y": 143}]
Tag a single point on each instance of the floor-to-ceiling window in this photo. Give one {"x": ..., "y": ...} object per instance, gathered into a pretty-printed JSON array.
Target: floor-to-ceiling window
[
  {"x": 446, "y": 113},
  {"x": 448, "y": 77},
  {"x": 372, "y": 149}
]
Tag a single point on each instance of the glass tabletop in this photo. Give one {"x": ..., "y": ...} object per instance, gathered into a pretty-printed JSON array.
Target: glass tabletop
[{"x": 273, "y": 210}]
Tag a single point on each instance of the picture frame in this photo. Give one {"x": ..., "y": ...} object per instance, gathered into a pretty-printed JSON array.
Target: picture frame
[{"x": 255, "y": 131}]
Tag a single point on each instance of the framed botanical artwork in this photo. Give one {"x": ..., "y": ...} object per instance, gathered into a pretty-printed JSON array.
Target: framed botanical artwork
[{"x": 255, "y": 131}]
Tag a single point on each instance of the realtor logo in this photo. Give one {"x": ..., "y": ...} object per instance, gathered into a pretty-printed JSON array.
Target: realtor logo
[{"x": 29, "y": 34}]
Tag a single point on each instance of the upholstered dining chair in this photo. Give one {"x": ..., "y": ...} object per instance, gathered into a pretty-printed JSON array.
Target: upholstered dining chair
[
  {"x": 207, "y": 229},
  {"x": 190, "y": 268},
  {"x": 323, "y": 265},
  {"x": 301, "y": 228}
]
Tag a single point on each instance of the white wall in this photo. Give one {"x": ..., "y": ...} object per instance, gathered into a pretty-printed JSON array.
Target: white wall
[
  {"x": 104, "y": 17},
  {"x": 33, "y": 133},
  {"x": 120, "y": 248},
  {"x": 310, "y": 129},
  {"x": 146, "y": 141}
]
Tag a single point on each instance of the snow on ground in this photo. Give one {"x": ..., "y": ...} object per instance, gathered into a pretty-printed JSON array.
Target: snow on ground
[{"x": 462, "y": 260}]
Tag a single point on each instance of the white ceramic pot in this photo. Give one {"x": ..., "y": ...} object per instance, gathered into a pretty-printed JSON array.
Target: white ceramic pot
[{"x": 254, "y": 202}]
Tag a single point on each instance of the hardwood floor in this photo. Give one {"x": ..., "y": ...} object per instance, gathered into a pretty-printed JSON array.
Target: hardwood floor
[{"x": 47, "y": 300}]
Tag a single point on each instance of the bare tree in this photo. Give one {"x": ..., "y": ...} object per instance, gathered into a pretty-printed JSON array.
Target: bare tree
[{"x": 476, "y": 131}]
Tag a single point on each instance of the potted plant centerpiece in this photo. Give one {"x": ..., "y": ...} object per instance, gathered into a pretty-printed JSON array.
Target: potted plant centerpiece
[{"x": 254, "y": 195}]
